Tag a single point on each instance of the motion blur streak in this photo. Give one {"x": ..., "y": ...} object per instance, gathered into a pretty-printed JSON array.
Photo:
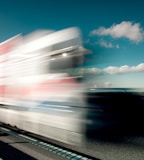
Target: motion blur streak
[
  {"x": 38, "y": 91},
  {"x": 45, "y": 89}
]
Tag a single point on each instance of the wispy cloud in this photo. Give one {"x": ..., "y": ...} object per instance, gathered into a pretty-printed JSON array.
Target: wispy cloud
[
  {"x": 107, "y": 84},
  {"x": 117, "y": 46},
  {"x": 92, "y": 70},
  {"x": 124, "y": 69},
  {"x": 115, "y": 70},
  {"x": 139, "y": 68},
  {"x": 126, "y": 29},
  {"x": 106, "y": 44},
  {"x": 97, "y": 84}
]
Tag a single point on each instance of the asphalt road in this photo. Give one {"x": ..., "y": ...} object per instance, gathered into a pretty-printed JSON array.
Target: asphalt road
[
  {"x": 9, "y": 153},
  {"x": 127, "y": 147},
  {"x": 12, "y": 148}
]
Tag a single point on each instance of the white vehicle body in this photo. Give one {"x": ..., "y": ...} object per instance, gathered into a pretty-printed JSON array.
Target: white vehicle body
[{"x": 36, "y": 89}]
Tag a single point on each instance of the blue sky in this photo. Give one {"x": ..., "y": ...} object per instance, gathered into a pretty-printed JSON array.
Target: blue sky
[{"x": 112, "y": 29}]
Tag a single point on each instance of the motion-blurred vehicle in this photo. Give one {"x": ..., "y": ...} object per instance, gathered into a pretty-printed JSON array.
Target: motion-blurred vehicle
[
  {"x": 41, "y": 91},
  {"x": 38, "y": 90}
]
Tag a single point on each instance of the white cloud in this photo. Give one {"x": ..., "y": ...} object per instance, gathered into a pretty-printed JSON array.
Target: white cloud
[
  {"x": 116, "y": 70},
  {"x": 126, "y": 29},
  {"x": 138, "y": 68},
  {"x": 124, "y": 69},
  {"x": 107, "y": 44},
  {"x": 107, "y": 84},
  {"x": 111, "y": 70},
  {"x": 93, "y": 70}
]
